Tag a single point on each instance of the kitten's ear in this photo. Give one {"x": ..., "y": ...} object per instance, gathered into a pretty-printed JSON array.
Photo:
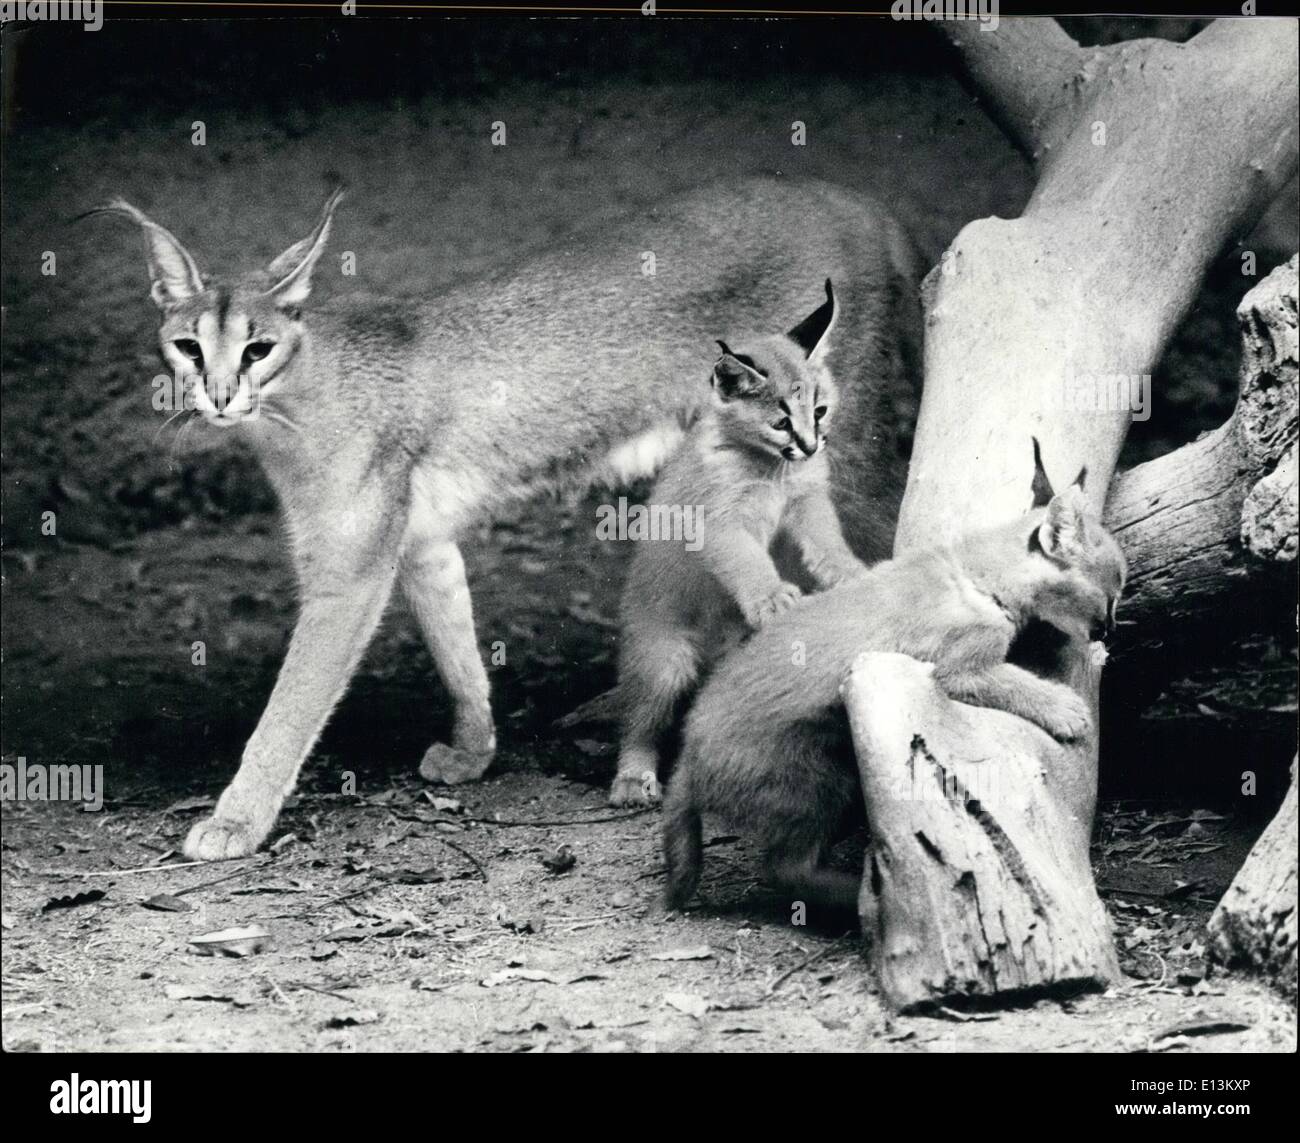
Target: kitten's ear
[
  {"x": 1041, "y": 485},
  {"x": 173, "y": 276},
  {"x": 1081, "y": 480},
  {"x": 810, "y": 335},
  {"x": 732, "y": 378},
  {"x": 291, "y": 271},
  {"x": 1061, "y": 534}
]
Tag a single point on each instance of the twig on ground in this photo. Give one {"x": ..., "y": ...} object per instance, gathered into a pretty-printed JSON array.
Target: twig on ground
[
  {"x": 464, "y": 853},
  {"x": 780, "y": 980}
]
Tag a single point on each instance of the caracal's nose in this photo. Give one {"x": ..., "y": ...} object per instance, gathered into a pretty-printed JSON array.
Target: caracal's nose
[{"x": 221, "y": 390}]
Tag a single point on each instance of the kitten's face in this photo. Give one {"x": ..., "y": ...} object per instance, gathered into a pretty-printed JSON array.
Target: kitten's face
[
  {"x": 773, "y": 400},
  {"x": 775, "y": 395},
  {"x": 1083, "y": 572}
]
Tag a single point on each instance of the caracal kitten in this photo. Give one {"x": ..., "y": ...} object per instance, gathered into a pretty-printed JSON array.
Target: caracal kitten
[{"x": 754, "y": 465}]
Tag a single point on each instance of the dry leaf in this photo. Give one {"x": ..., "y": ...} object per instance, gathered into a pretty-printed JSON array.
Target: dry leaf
[
  {"x": 233, "y": 942},
  {"x": 353, "y": 1019},
  {"x": 74, "y": 901},
  {"x": 167, "y": 903},
  {"x": 702, "y": 952},
  {"x": 506, "y": 975},
  {"x": 561, "y": 861},
  {"x": 687, "y": 1002},
  {"x": 187, "y": 805},
  {"x": 197, "y": 992}
]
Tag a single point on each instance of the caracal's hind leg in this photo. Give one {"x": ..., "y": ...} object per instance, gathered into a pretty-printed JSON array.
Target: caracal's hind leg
[{"x": 657, "y": 670}]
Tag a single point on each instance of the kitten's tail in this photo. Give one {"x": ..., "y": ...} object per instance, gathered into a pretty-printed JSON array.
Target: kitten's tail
[{"x": 683, "y": 840}]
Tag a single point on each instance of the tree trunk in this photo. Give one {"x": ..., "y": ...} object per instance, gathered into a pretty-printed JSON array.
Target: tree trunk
[
  {"x": 1151, "y": 155},
  {"x": 1255, "y": 923},
  {"x": 968, "y": 848},
  {"x": 1199, "y": 522}
]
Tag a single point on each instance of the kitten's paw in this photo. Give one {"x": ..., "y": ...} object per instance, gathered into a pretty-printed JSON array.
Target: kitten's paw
[
  {"x": 635, "y": 790},
  {"x": 449, "y": 766},
  {"x": 782, "y": 599},
  {"x": 1067, "y": 718},
  {"x": 217, "y": 838}
]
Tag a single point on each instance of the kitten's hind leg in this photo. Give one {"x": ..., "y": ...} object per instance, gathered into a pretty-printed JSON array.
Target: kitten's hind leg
[
  {"x": 656, "y": 672},
  {"x": 432, "y": 575}
]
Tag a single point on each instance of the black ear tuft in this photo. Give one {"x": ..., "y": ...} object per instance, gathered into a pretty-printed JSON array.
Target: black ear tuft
[
  {"x": 1041, "y": 485},
  {"x": 1082, "y": 479},
  {"x": 809, "y": 332}
]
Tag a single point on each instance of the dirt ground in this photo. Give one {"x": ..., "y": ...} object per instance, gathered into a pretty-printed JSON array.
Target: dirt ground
[{"x": 519, "y": 914}]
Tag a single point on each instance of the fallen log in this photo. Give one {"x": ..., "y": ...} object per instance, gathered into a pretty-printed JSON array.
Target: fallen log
[
  {"x": 1209, "y": 529},
  {"x": 1254, "y": 926},
  {"x": 973, "y": 887}
]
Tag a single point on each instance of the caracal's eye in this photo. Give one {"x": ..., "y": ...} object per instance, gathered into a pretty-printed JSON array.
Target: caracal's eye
[
  {"x": 783, "y": 425},
  {"x": 189, "y": 347},
  {"x": 820, "y": 412},
  {"x": 256, "y": 350}
]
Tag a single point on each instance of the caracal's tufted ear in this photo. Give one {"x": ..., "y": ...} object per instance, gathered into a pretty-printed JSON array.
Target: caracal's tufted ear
[
  {"x": 1041, "y": 486},
  {"x": 812, "y": 333},
  {"x": 734, "y": 375},
  {"x": 173, "y": 275},
  {"x": 290, "y": 273},
  {"x": 1061, "y": 535}
]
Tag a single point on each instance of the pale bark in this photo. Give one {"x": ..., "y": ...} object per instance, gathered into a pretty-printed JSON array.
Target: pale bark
[{"x": 1203, "y": 526}]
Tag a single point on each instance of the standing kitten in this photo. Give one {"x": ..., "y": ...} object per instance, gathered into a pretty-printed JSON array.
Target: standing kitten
[
  {"x": 753, "y": 465},
  {"x": 767, "y": 744}
]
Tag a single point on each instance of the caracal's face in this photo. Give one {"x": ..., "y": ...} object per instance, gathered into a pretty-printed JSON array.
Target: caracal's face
[
  {"x": 232, "y": 344},
  {"x": 782, "y": 403}
]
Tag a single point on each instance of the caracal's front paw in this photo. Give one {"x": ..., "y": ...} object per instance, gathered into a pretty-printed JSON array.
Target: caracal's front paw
[
  {"x": 635, "y": 789},
  {"x": 217, "y": 838},
  {"x": 769, "y": 607},
  {"x": 1066, "y": 717},
  {"x": 451, "y": 765}
]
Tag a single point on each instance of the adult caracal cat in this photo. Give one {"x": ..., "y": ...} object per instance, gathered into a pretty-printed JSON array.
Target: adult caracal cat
[{"x": 386, "y": 426}]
